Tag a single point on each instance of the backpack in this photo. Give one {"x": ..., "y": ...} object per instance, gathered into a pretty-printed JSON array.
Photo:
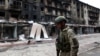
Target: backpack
[{"x": 76, "y": 43}]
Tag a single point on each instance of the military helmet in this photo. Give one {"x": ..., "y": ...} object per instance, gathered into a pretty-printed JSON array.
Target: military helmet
[{"x": 60, "y": 19}]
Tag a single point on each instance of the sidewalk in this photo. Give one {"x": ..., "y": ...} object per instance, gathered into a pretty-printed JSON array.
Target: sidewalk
[
  {"x": 46, "y": 48},
  {"x": 87, "y": 42}
]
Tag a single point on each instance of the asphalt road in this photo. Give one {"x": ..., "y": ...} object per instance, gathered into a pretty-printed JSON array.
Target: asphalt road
[
  {"x": 36, "y": 50},
  {"x": 93, "y": 52}
]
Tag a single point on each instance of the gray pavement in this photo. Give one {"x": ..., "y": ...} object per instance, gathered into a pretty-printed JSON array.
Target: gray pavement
[
  {"x": 93, "y": 52},
  {"x": 47, "y": 49},
  {"x": 87, "y": 42}
]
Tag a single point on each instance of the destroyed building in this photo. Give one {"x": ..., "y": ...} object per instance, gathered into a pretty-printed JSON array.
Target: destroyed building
[{"x": 82, "y": 17}]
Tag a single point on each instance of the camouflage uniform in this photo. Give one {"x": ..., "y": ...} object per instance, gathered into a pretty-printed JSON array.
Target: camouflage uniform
[
  {"x": 76, "y": 47},
  {"x": 66, "y": 38},
  {"x": 64, "y": 42}
]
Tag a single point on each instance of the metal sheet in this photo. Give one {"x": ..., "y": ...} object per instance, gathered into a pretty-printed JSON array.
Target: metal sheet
[
  {"x": 36, "y": 32},
  {"x": 44, "y": 32},
  {"x": 33, "y": 30}
]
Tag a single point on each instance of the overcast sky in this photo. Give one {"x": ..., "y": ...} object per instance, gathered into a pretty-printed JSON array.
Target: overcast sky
[{"x": 95, "y": 3}]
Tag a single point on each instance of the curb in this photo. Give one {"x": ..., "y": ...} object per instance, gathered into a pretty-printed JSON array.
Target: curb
[
  {"x": 15, "y": 43},
  {"x": 21, "y": 43}
]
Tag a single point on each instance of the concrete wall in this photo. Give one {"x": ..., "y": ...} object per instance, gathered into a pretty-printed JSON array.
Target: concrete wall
[
  {"x": 86, "y": 15},
  {"x": 74, "y": 11},
  {"x": 6, "y": 4},
  {"x": 99, "y": 19}
]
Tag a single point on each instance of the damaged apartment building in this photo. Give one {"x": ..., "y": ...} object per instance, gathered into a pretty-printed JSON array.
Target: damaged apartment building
[
  {"x": 82, "y": 17},
  {"x": 11, "y": 20}
]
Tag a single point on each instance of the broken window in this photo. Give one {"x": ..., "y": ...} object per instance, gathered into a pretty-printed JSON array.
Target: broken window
[
  {"x": 2, "y": 13},
  {"x": 2, "y": 2},
  {"x": 34, "y": 7},
  {"x": 49, "y": 2},
  {"x": 42, "y": 1},
  {"x": 49, "y": 10},
  {"x": 42, "y": 8},
  {"x": 26, "y": 16},
  {"x": 25, "y": 5},
  {"x": 34, "y": 17}
]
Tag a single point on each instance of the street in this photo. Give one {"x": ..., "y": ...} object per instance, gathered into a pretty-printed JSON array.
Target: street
[
  {"x": 47, "y": 49},
  {"x": 88, "y": 47},
  {"x": 29, "y": 50},
  {"x": 93, "y": 52},
  {"x": 41, "y": 27}
]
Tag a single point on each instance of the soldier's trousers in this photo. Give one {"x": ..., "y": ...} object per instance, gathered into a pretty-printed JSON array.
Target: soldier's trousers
[
  {"x": 75, "y": 52},
  {"x": 64, "y": 53}
]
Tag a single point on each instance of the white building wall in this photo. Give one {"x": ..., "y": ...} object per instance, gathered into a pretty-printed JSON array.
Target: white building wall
[
  {"x": 99, "y": 18},
  {"x": 86, "y": 17},
  {"x": 54, "y": 12},
  {"x": 73, "y": 11},
  {"x": 45, "y": 1},
  {"x": 6, "y": 4}
]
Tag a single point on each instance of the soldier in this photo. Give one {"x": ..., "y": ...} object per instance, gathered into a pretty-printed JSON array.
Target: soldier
[
  {"x": 64, "y": 42},
  {"x": 57, "y": 45},
  {"x": 76, "y": 47}
]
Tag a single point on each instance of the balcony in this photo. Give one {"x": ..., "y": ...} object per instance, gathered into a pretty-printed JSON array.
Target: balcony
[
  {"x": 93, "y": 15},
  {"x": 42, "y": 13},
  {"x": 68, "y": 9},
  {"x": 2, "y": 17},
  {"x": 15, "y": 7},
  {"x": 2, "y": 5},
  {"x": 66, "y": 2},
  {"x": 93, "y": 21},
  {"x": 48, "y": 13},
  {"x": 68, "y": 15},
  {"x": 41, "y": 4},
  {"x": 53, "y": 4},
  {"x": 54, "y": 12},
  {"x": 93, "y": 11},
  {"x": 49, "y": 6}
]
